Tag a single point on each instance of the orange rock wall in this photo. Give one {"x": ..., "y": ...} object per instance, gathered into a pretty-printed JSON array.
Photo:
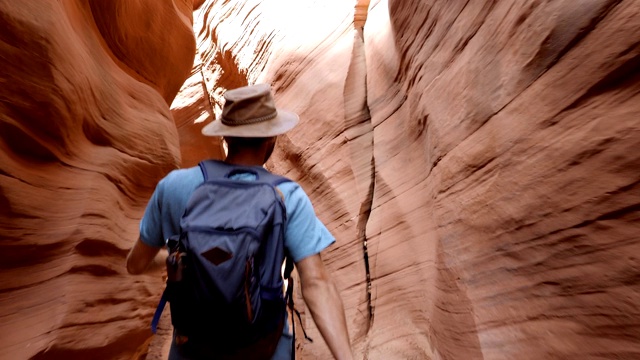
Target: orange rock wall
[
  {"x": 483, "y": 153},
  {"x": 85, "y": 134},
  {"x": 521, "y": 223}
]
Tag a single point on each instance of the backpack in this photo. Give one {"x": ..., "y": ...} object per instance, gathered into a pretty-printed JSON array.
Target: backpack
[{"x": 224, "y": 282}]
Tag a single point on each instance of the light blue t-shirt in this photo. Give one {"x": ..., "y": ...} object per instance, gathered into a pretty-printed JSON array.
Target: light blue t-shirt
[{"x": 305, "y": 234}]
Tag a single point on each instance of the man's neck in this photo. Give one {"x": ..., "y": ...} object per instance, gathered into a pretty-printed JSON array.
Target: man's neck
[{"x": 244, "y": 159}]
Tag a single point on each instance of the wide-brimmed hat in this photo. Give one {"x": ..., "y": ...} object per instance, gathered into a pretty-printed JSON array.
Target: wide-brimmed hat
[{"x": 250, "y": 111}]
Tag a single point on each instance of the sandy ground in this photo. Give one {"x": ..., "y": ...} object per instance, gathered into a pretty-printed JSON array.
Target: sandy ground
[{"x": 161, "y": 342}]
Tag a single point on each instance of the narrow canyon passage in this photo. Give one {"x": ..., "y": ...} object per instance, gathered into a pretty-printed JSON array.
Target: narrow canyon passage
[{"x": 476, "y": 161}]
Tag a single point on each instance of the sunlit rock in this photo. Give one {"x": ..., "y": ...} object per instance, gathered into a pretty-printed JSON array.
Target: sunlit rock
[{"x": 486, "y": 152}]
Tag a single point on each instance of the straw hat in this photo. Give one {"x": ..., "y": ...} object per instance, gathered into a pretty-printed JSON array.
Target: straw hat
[{"x": 250, "y": 111}]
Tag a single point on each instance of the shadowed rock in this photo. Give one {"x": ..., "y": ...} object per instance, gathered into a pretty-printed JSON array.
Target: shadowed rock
[{"x": 85, "y": 134}]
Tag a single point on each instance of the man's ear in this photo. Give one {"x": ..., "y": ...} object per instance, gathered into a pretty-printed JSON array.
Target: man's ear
[
  {"x": 270, "y": 145},
  {"x": 225, "y": 147}
]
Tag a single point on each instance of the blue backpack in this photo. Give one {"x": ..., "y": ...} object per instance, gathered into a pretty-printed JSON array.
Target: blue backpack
[{"x": 224, "y": 284}]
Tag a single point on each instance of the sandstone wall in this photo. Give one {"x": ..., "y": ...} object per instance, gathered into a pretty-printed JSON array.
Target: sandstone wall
[
  {"x": 521, "y": 225},
  {"x": 476, "y": 160},
  {"x": 85, "y": 134},
  {"x": 483, "y": 154}
]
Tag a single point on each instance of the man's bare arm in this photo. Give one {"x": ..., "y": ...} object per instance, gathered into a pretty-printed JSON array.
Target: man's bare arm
[
  {"x": 324, "y": 303},
  {"x": 144, "y": 258}
]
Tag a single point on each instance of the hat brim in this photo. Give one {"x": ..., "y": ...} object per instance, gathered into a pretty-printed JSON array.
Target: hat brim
[{"x": 282, "y": 123}]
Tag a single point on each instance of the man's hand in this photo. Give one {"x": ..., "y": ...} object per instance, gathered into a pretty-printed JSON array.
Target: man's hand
[
  {"x": 325, "y": 305},
  {"x": 144, "y": 258}
]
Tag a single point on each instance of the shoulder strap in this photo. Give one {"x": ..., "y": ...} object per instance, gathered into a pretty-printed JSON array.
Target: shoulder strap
[
  {"x": 216, "y": 169},
  {"x": 159, "y": 310}
]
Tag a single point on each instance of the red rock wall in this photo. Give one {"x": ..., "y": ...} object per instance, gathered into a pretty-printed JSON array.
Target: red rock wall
[
  {"x": 482, "y": 154},
  {"x": 521, "y": 225},
  {"x": 85, "y": 134},
  {"x": 485, "y": 152}
]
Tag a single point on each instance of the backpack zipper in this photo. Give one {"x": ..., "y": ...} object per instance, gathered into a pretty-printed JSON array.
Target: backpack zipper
[{"x": 248, "y": 273}]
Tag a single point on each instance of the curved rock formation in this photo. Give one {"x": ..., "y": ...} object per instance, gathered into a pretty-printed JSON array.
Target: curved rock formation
[
  {"x": 477, "y": 162},
  {"x": 85, "y": 134},
  {"x": 521, "y": 225}
]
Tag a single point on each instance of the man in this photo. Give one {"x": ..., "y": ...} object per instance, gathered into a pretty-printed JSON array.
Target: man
[{"x": 250, "y": 124}]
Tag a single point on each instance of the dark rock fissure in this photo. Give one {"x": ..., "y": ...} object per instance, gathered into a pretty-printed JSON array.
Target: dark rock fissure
[{"x": 360, "y": 20}]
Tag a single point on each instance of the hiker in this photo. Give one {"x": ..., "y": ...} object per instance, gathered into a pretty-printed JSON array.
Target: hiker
[{"x": 249, "y": 125}]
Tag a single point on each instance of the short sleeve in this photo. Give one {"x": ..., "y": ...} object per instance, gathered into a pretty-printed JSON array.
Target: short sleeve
[
  {"x": 305, "y": 234},
  {"x": 165, "y": 208},
  {"x": 151, "y": 223}
]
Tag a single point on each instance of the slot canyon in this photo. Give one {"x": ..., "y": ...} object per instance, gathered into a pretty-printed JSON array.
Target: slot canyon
[{"x": 477, "y": 161}]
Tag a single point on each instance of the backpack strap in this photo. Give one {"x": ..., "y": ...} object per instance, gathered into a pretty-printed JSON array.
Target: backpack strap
[
  {"x": 173, "y": 245},
  {"x": 216, "y": 169},
  {"x": 158, "y": 312}
]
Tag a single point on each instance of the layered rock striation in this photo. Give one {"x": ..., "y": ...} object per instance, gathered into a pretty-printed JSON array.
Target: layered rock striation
[
  {"x": 85, "y": 134},
  {"x": 476, "y": 161}
]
